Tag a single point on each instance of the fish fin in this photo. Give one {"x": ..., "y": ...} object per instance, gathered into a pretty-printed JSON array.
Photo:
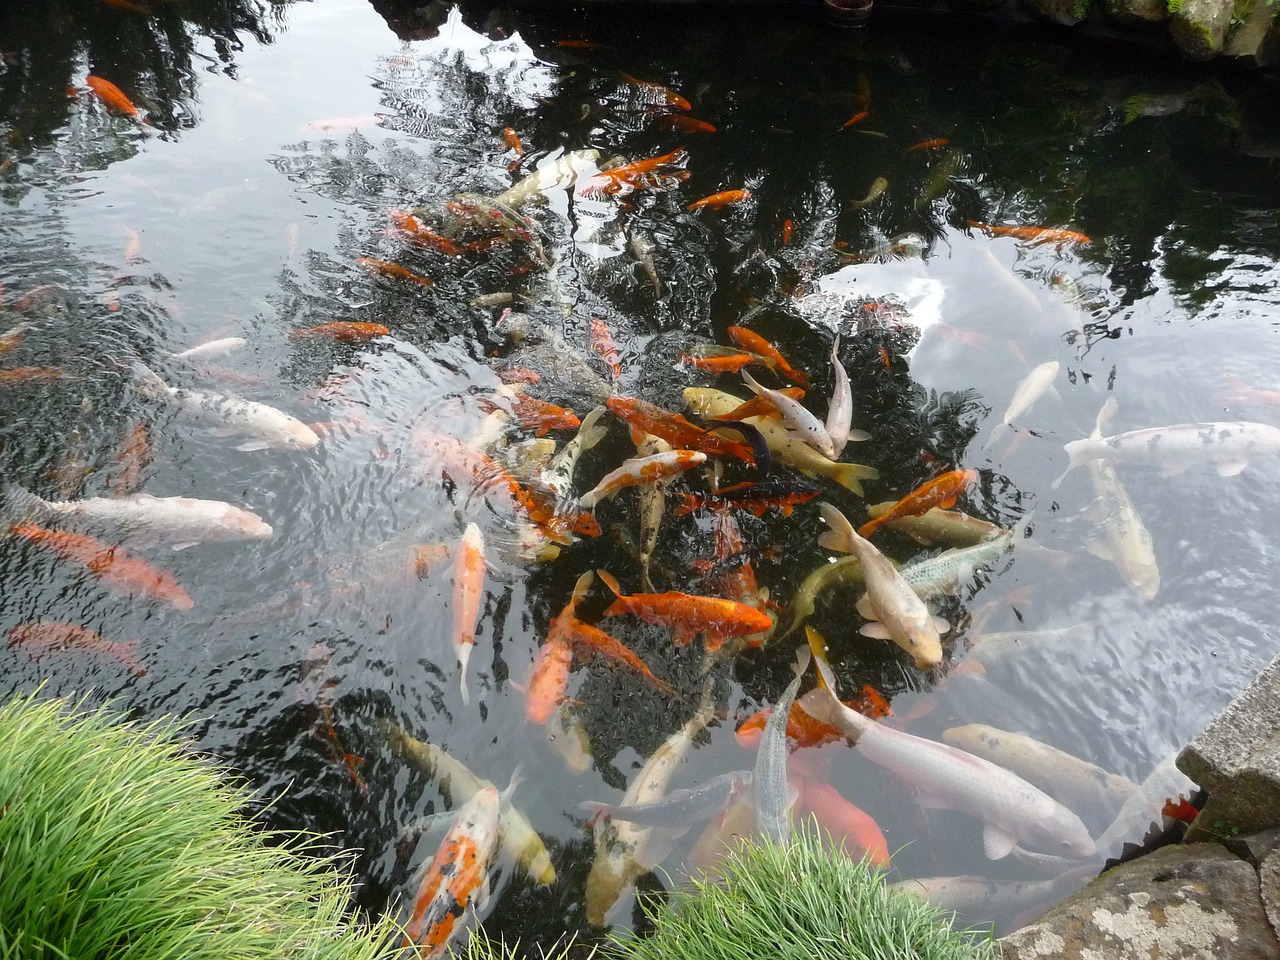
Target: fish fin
[
  {"x": 752, "y": 384},
  {"x": 996, "y": 843},
  {"x": 1099, "y": 547},
  {"x": 850, "y": 475},
  {"x": 996, "y": 433},
  {"x": 611, "y": 582},
  {"x": 1230, "y": 468},
  {"x": 841, "y": 535},
  {"x": 598, "y": 811},
  {"x": 251, "y": 445},
  {"x": 466, "y": 694},
  {"x": 818, "y": 647},
  {"x": 876, "y": 630},
  {"x": 857, "y": 436},
  {"x": 1074, "y": 450},
  {"x": 1170, "y": 469},
  {"x": 682, "y": 636},
  {"x": 864, "y": 608},
  {"x": 1104, "y": 417},
  {"x": 1053, "y": 392},
  {"x": 940, "y": 625},
  {"x": 183, "y": 546}
]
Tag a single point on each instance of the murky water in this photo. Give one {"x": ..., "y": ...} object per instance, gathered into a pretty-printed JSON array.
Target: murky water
[{"x": 278, "y": 140}]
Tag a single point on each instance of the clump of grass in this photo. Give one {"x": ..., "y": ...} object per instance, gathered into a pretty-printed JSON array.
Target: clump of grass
[
  {"x": 798, "y": 902},
  {"x": 116, "y": 841}
]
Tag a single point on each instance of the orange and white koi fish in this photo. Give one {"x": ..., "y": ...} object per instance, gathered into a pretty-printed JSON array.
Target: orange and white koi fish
[
  {"x": 754, "y": 343},
  {"x": 641, "y": 471},
  {"x": 758, "y": 498},
  {"x": 759, "y": 406},
  {"x": 40, "y": 637},
  {"x": 112, "y": 96},
  {"x": 676, "y": 430},
  {"x": 394, "y": 271},
  {"x": 468, "y": 589},
  {"x": 12, "y": 338},
  {"x": 722, "y": 199},
  {"x": 114, "y": 566},
  {"x": 346, "y": 331},
  {"x": 456, "y": 883},
  {"x": 604, "y": 346},
  {"x": 534, "y": 414},
  {"x": 1032, "y": 234},
  {"x": 688, "y": 615},
  {"x": 941, "y": 491}
]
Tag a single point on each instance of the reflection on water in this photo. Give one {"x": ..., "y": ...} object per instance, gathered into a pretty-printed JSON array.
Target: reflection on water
[{"x": 390, "y": 242}]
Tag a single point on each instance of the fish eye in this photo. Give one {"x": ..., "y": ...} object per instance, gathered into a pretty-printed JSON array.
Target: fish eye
[{"x": 912, "y": 641}]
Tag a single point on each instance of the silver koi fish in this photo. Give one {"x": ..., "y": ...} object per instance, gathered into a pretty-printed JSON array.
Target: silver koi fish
[{"x": 773, "y": 793}]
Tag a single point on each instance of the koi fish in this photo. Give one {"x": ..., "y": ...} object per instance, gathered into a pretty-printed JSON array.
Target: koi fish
[
  {"x": 877, "y": 190},
  {"x": 1123, "y": 538},
  {"x": 631, "y": 176},
  {"x": 210, "y": 350},
  {"x": 603, "y": 344},
  {"x": 468, "y": 589},
  {"x": 896, "y": 612},
  {"x": 12, "y": 338},
  {"x": 805, "y": 424},
  {"x": 512, "y": 140},
  {"x": 978, "y": 895},
  {"x": 734, "y": 578},
  {"x": 596, "y": 641},
  {"x": 534, "y": 414},
  {"x": 939, "y": 526},
  {"x": 1013, "y": 811},
  {"x": 642, "y": 471},
  {"x": 839, "y": 423},
  {"x": 685, "y": 124},
  {"x": 226, "y": 414},
  {"x": 653, "y": 506},
  {"x": 133, "y": 459},
  {"x": 1228, "y": 445},
  {"x": 420, "y": 235},
  {"x": 941, "y": 491},
  {"x": 1032, "y": 234},
  {"x": 845, "y": 570},
  {"x": 492, "y": 214},
  {"x": 346, "y": 331},
  {"x": 114, "y": 566},
  {"x": 722, "y": 363},
  {"x": 675, "y": 429},
  {"x": 722, "y": 199},
  {"x": 759, "y": 406},
  {"x": 805, "y": 731},
  {"x": 625, "y": 851},
  {"x": 177, "y": 521},
  {"x": 677, "y": 809},
  {"x": 688, "y": 615},
  {"x": 933, "y": 144},
  {"x": 755, "y": 497},
  {"x": 856, "y": 118},
  {"x": 769, "y": 778},
  {"x": 40, "y": 637},
  {"x": 856, "y": 832},
  {"x": 1239, "y": 390},
  {"x": 1025, "y": 395},
  {"x": 752, "y": 342},
  {"x": 458, "y": 784},
  {"x": 658, "y": 93},
  {"x": 558, "y": 476},
  {"x": 786, "y": 447},
  {"x": 394, "y": 271},
  {"x": 128, "y": 5},
  {"x": 787, "y": 227},
  {"x": 456, "y": 883},
  {"x": 551, "y": 666},
  {"x": 30, "y": 375},
  {"x": 111, "y": 95}
]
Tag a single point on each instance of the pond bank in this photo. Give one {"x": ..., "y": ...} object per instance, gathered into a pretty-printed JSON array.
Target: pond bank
[{"x": 1217, "y": 894}]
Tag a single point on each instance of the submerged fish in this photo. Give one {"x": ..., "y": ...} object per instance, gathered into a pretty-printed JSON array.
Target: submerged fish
[
  {"x": 40, "y": 637},
  {"x": 1025, "y": 395},
  {"x": 688, "y": 615},
  {"x": 937, "y": 525},
  {"x": 846, "y": 824},
  {"x": 941, "y": 491},
  {"x": 840, "y": 410},
  {"x": 752, "y": 342},
  {"x": 805, "y": 424},
  {"x": 468, "y": 589},
  {"x": 642, "y": 471},
  {"x": 773, "y": 795},
  {"x": 679, "y": 808}
]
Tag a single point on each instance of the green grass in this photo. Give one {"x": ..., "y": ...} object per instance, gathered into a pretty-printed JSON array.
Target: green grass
[{"x": 117, "y": 841}]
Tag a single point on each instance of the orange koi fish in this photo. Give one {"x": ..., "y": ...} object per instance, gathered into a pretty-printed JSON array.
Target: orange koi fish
[
  {"x": 420, "y": 235},
  {"x": 458, "y": 878},
  {"x": 112, "y": 564},
  {"x": 1032, "y": 234},
  {"x": 787, "y": 228},
  {"x": 721, "y": 199},
  {"x": 658, "y": 93},
  {"x": 733, "y": 577},
  {"x": 603, "y": 344},
  {"x": 550, "y": 678},
  {"x": 41, "y": 637},
  {"x": 512, "y": 140},
  {"x": 685, "y": 124},
  {"x": 642, "y": 471},
  {"x": 755, "y": 497},
  {"x": 392, "y": 270},
  {"x": 856, "y": 118},
  {"x": 111, "y": 95},
  {"x": 30, "y": 375},
  {"x": 579, "y": 44},
  {"x": 346, "y": 331},
  {"x": 754, "y": 343},
  {"x": 722, "y": 363},
  {"x": 534, "y": 414},
  {"x": 127, "y": 5},
  {"x": 1180, "y": 809},
  {"x": 688, "y": 615},
  {"x": 631, "y": 175},
  {"x": 934, "y": 144},
  {"x": 759, "y": 406},
  {"x": 12, "y": 338},
  {"x": 854, "y": 830},
  {"x": 941, "y": 491},
  {"x": 1240, "y": 390},
  {"x": 468, "y": 589},
  {"x": 802, "y": 729},
  {"x": 584, "y": 635},
  {"x": 133, "y": 459},
  {"x": 675, "y": 429}
]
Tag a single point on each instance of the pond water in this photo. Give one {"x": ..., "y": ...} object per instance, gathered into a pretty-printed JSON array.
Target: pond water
[{"x": 279, "y": 137}]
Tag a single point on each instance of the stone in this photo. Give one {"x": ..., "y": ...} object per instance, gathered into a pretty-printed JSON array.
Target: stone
[
  {"x": 1137, "y": 11},
  {"x": 1236, "y": 760},
  {"x": 1254, "y": 847},
  {"x": 1250, "y": 41},
  {"x": 1066, "y": 12},
  {"x": 1179, "y": 903},
  {"x": 1199, "y": 27},
  {"x": 1269, "y": 884}
]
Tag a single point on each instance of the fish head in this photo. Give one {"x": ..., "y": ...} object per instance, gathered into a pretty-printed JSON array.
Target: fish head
[
  {"x": 249, "y": 525},
  {"x": 1062, "y": 833}
]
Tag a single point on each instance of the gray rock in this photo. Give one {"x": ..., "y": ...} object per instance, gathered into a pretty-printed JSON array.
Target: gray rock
[
  {"x": 1065, "y": 12},
  {"x": 1269, "y": 884},
  {"x": 1250, "y": 41},
  {"x": 1237, "y": 760},
  {"x": 1179, "y": 902},
  {"x": 1254, "y": 847},
  {"x": 1137, "y": 11},
  {"x": 1199, "y": 27}
]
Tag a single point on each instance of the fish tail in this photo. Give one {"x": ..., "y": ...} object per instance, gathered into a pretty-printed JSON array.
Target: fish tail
[
  {"x": 148, "y": 382},
  {"x": 618, "y": 606},
  {"x": 841, "y": 535},
  {"x": 818, "y": 648},
  {"x": 689, "y": 503},
  {"x": 871, "y": 526},
  {"x": 1075, "y": 450},
  {"x": 996, "y": 433},
  {"x": 851, "y": 475},
  {"x": 18, "y": 504}
]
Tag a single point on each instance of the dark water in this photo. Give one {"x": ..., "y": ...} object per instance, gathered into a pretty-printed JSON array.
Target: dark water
[{"x": 280, "y": 135}]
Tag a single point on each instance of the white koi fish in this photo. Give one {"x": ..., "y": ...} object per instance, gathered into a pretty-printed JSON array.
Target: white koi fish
[
  {"x": 559, "y": 473},
  {"x": 1124, "y": 539},
  {"x": 178, "y": 522},
  {"x": 211, "y": 350},
  {"x": 229, "y": 415},
  {"x": 840, "y": 412},
  {"x": 1228, "y": 444},
  {"x": 1025, "y": 396},
  {"x": 895, "y": 610},
  {"x": 553, "y": 173},
  {"x": 642, "y": 471},
  {"x": 805, "y": 424},
  {"x": 1013, "y": 811},
  {"x": 468, "y": 588}
]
